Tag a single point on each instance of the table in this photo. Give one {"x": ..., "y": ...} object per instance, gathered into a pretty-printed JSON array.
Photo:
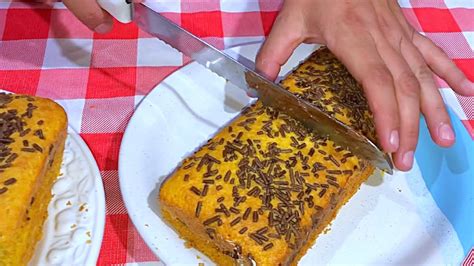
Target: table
[{"x": 100, "y": 79}]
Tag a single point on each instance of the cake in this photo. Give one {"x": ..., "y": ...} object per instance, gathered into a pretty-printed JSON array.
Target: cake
[
  {"x": 263, "y": 188},
  {"x": 32, "y": 136}
]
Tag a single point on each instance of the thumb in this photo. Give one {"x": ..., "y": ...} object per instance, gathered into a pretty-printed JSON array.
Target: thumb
[
  {"x": 91, "y": 14},
  {"x": 283, "y": 39}
]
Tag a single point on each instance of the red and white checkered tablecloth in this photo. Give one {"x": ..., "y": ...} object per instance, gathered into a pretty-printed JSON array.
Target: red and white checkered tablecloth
[{"x": 99, "y": 79}]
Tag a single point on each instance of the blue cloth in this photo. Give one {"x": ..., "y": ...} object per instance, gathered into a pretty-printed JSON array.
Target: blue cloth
[{"x": 449, "y": 176}]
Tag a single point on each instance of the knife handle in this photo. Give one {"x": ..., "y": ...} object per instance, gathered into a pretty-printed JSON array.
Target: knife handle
[{"x": 120, "y": 9}]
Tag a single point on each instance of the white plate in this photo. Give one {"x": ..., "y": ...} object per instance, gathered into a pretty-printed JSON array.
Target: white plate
[
  {"x": 392, "y": 220},
  {"x": 72, "y": 234}
]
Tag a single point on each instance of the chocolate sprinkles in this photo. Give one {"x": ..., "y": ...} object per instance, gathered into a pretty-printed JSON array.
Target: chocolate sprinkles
[
  {"x": 212, "y": 220},
  {"x": 246, "y": 213},
  {"x": 9, "y": 181},
  {"x": 198, "y": 209},
  {"x": 195, "y": 190},
  {"x": 268, "y": 246},
  {"x": 235, "y": 221}
]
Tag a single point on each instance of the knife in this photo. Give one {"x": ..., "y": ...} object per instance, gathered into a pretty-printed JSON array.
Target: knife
[{"x": 270, "y": 93}]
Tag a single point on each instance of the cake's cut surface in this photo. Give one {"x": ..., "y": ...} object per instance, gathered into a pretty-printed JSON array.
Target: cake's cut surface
[
  {"x": 32, "y": 135},
  {"x": 264, "y": 187}
]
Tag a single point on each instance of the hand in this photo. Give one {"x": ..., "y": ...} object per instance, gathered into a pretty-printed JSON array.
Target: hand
[
  {"x": 393, "y": 63},
  {"x": 91, "y": 14}
]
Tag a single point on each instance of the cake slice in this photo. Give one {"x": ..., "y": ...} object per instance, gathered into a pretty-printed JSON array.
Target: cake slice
[
  {"x": 32, "y": 135},
  {"x": 265, "y": 187}
]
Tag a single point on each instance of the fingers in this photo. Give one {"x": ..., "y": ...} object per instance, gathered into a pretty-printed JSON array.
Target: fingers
[
  {"x": 285, "y": 36},
  {"x": 432, "y": 104},
  {"x": 377, "y": 82},
  {"x": 442, "y": 65},
  {"x": 388, "y": 38},
  {"x": 91, "y": 14},
  {"x": 393, "y": 63},
  {"x": 415, "y": 86},
  {"x": 437, "y": 119},
  {"x": 407, "y": 92},
  {"x": 436, "y": 59}
]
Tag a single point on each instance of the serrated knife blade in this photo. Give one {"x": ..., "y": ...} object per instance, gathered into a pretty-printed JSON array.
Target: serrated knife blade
[{"x": 270, "y": 93}]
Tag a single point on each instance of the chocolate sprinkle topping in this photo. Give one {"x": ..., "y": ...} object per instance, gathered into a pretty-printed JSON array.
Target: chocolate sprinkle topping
[
  {"x": 37, "y": 147},
  {"x": 198, "y": 209},
  {"x": 10, "y": 181},
  {"x": 234, "y": 210},
  {"x": 246, "y": 213},
  {"x": 212, "y": 220},
  {"x": 268, "y": 246},
  {"x": 12, "y": 122},
  {"x": 39, "y": 133},
  {"x": 256, "y": 239},
  {"x": 195, "y": 190},
  {"x": 28, "y": 149},
  {"x": 235, "y": 221},
  {"x": 204, "y": 190},
  {"x": 255, "y": 217}
]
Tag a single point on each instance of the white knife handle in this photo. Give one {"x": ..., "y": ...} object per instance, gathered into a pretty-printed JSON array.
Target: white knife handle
[{"x": 119, "y": 9}]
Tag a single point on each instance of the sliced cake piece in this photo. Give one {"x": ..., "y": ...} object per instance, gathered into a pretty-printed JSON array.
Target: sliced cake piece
[{"x": 32, "y": 135}]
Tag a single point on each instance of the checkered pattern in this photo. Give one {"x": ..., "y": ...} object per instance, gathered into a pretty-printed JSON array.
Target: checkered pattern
[
  {"x": 469, "y": 260},
  {"x": 99, "y": 79}
]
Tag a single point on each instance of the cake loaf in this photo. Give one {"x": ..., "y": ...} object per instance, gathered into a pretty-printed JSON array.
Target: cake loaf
[
  {"x": 32, "y": 135},
  {"x": 264, "y": 187}
]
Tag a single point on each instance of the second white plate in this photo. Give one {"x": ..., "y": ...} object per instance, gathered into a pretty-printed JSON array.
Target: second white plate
[{"x": 72, "y": 234}]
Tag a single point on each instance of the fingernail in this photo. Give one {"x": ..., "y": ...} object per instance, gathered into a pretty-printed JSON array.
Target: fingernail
[
  {"x": 266, "y": 67},
  {"x": 408, "y": 159},
  {"x": 103, "y": 28},
  {"x": 394, "y": 140},
  {"x": 467, "y": 85},
  {"x": 445, "y": 132},
  {"x": 252, "y": 93}
]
